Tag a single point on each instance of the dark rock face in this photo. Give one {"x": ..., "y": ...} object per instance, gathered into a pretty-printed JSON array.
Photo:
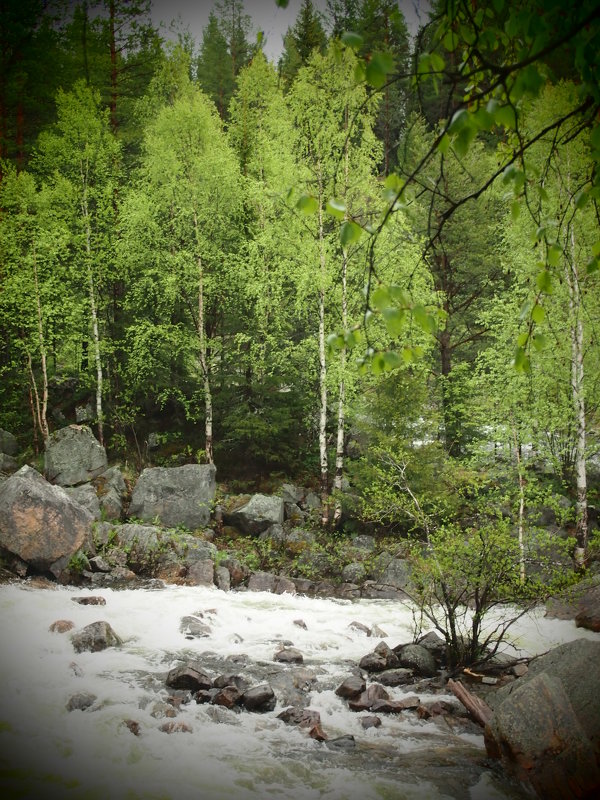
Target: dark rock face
[
  {"x": 95, "y": 637},
  {"x": 8, "y": 443},
  {"x": 176, "y": 495},
  {"x": 39, "y": 523},
  {"x": 352, "y": 687},
  {"x": 74, "y": 455},
  {"x": 81, "y": 701},
  {"x": 546, "y": 725}
]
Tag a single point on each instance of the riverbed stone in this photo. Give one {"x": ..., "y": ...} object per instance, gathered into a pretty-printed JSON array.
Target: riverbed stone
[
  {"x": 259, "y": 698},
  {"x": 417, "y": 658},
  {"x": 40, "y": 523},
  {"x": 289, "y": 655},
  {"x": 351, "y": 687},
  {"x": 176, "y": 496},
  {"x": 95, "y": 637},
  {"x": 73, "y": 455},
  {"x": 188, "y": 676}
]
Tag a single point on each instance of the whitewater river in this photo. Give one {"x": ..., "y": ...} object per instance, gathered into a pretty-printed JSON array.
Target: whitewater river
[{"x": 47, "y": 751}]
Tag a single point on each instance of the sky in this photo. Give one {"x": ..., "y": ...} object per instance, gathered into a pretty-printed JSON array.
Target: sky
[{"x": 265, "y": 14}]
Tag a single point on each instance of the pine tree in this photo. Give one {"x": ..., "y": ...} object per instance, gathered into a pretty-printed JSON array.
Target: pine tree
[
  {"x": 306, "y": 36},
  {"x": 215, "y": 66}
]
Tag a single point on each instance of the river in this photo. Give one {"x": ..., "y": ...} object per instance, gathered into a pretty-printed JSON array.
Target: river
[{"x": 48, "y": 752}]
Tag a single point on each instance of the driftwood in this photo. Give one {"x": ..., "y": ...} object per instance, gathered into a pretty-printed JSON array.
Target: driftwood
[{"x": 477, "y": 708}]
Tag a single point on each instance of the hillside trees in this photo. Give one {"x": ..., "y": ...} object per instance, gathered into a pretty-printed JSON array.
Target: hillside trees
[
  {"x": 78, "y": 157},
  {"x": 186, "y": 205}
]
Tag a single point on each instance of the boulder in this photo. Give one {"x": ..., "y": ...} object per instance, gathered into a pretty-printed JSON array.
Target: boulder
[
  {"x": 111, "y": 489},
  {"x": 188, "y": 676},
  {"x": 175, "y": 495},
  {"x": 8, "y": 463},
  {"x": 40, "y": 523},
  {"x": 396, "y": 574},
  {"x": 8, "y": 443},
  {"x": 352, "y": 687},
  {"x": 354, "y": 572},
  {"x": 86, "y": 496},
  {"x": 536, "y": 734},
  {"x": 95, "y": 637},
  {"x": 73, "y": 455},
  {"x": 588, "y": 609},
  {"x": 572, "y": 664},
  {"x": 258, "y": 514},
  {"x": 417, "y": 658}
]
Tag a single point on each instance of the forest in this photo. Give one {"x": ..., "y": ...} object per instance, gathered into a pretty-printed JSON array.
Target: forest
[{"x": 371, "y": 267}]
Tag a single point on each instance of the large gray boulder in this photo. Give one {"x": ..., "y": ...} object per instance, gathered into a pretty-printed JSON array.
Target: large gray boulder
[
  {"x": 546, "y": 725},
  {"x": 540, "y": 740},
  {"x": 40, "y": 523},
  {"x": 73, "y": 455},
  {"x": 8, "y": 463},
  {"x": 86, "y": 496},
  {"x": 175, "y": 495},
  {"x": 258, "y": 514},
  {"x": 8, "y": 443}
]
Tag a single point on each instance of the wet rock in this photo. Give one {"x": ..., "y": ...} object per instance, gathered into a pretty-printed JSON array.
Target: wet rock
[
  {"x": 175, "y": 727},
  {"x": 289, "y": 655},
  {"x": 409, "y": 703},
  {"x": 228, "y": 696},
  {"x": 73, "y": 455},
  {"x": 89, "y": 600},
  {"x": 382, "y": 658},
  {"x": 201, "y": 573},
  {"x": 417, "y": 658},
  {"x": 189, "y": 677},
  {"x": 370, "y": 722},
  {"x": 259, "y": 698},
  {"x": 360, "y": 628},
  {"x": 351, "y": 688},
  {"x": 39, "y": 523},
  {"x": 342, "y": 743},
  {"x": 95, "y": 637},
  {"x": 317, "y": 733},
  {"x": 434, "y": 643},
  {"x": 378, "y": 633},
  {"x": 176, "y": 495},
  {"x": 366, "y": 700},
  {"x": 81, "y": 701},
  {"x": 222, "y": 579},
  {"x": 255, "y": 516},
  {"x": 299, "y": 623},
  {"x": 262, "y": 582},
  {"x": 222, "y": 715},
  {"x": 284, "y": 585},
  {"x": 387, "y": 707},
  {"x": 61, "y": 626},
  {"x": 303, "y": 717},
  {"x": 161, "y": 710},
  {"x": 194, "y": 628},
  {"x": 237, "y": 572},
  {"x": 99, "y": 564},
  {"x": 238, "y": 681},
  {"x": 395, "y": 677},
  {"x": 133, "y": 726}
]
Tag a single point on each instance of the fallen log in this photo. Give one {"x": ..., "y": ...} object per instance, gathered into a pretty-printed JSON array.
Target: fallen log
[{"x": 478, "y": 709}]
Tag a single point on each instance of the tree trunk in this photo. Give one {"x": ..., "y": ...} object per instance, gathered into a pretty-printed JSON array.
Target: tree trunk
[
  {"x": 208, "y": 407},
  {"x": 339, "y": 449},
  {"x": 43, "y": 410},
  {"x": 578, "y": 399},
  {"x": 113, "y": 68},
  {"x": 323, "y": 373},
  {"x": 521, "y": 523},
  {"x": 93, "y": 308}
]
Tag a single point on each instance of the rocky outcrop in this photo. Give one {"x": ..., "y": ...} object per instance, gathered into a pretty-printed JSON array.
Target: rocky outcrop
[
  {"x": 588, "y": 609},
  {"x": 110, "y": 490},
  {"x": 545, "y": 726},
  {"x": 257, "y": 514},
  {"x": 73, "y": 455},
  {"x": 175, "y": 496},
  {"x": 40, "y": 523}
]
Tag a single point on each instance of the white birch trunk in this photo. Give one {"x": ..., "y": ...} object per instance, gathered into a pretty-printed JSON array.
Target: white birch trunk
[
  {"x": 341, "y": 420},
  {"x": 577, "y": 394},
  {"x": 42, "y": 411},
  {"x": 323, "y": 372},
  {"x": 208, "y": 406},
  {"x": 521, "y": 519},
  {"x": 93, "y": 309}
]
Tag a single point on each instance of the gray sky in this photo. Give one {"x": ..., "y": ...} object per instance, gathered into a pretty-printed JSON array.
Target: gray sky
[{"x": 265, "y": 14}]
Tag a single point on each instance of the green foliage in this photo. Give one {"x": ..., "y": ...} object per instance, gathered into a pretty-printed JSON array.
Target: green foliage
[{"x": 464, "y": 576}]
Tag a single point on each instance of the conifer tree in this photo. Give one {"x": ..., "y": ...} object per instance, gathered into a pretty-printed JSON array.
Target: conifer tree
[{"x": 306, "y": 36}]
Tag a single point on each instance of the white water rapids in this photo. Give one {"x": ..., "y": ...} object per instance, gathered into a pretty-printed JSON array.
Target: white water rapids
[{"x": 47, "y": 751}]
